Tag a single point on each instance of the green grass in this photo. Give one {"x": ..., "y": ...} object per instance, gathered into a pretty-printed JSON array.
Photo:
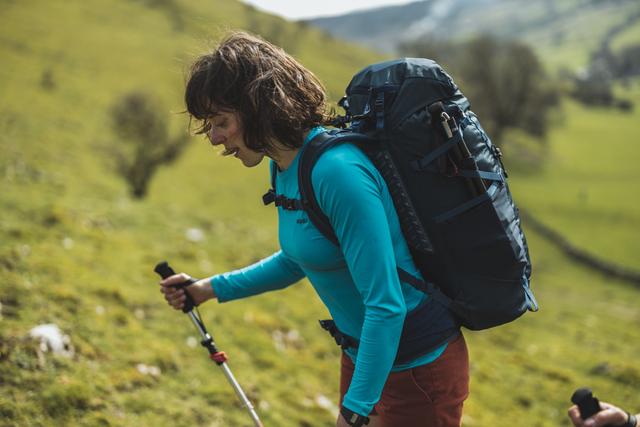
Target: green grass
[
  {"x": 77, "y": 251},
  {"x": 627, "y": 38}
]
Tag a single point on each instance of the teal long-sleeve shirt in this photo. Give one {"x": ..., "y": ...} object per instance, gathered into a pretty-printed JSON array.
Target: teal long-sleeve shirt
[{"x": 358, "y": 281}]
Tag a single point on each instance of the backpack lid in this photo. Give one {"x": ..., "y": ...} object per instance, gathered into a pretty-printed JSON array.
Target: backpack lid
[{"x": 414, "y": 82}]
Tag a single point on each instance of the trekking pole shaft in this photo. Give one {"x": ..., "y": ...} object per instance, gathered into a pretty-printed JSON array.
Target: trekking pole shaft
[
  {"x": 227, "y": 372},
  {"x": 207, "y": 341},
  {"x": 240, "y": 394}
]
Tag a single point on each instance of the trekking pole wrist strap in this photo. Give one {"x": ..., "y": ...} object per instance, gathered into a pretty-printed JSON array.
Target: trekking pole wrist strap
[{"x": 352, "y": 418}]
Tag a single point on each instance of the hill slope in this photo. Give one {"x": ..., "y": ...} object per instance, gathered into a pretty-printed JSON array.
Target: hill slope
[{"x": 76, "y": 251}]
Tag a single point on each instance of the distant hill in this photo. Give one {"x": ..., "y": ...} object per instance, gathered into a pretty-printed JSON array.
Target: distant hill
[{"x": 565, "y": 31}]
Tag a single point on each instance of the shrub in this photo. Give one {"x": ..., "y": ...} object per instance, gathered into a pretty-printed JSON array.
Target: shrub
[{"x": 143, "y": 142}]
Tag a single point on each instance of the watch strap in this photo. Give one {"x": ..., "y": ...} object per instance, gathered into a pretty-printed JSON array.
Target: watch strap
[
  {"x": 352, "y": 418},
  {"x": 631, "y": 421}
]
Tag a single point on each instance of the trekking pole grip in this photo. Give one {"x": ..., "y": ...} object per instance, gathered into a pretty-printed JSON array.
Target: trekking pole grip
[
  {"x": 164, "y": 270},
  {"x": 587, "y": 403}
]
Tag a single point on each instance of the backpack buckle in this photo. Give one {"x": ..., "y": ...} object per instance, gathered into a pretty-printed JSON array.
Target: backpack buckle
[
  {"x": 269, "y": 197},
  {"x": 448, "y": 123}
]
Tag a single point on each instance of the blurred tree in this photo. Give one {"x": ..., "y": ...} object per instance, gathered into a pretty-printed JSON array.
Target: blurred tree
[
  {"x": 593, "y": 86},
  {"x": 47, "y": 82},
  {"x": 504, "y": 81},
  {"x": 628, "y": 61},
  {"x": 143, "y": 141},
  {"x": 507, "y": 86}
]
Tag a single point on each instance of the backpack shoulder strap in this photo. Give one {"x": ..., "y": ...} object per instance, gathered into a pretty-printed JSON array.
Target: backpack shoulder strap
[
  {"x": 311, "y": 152},
  {"x": 270, "y": 196},
  {"x": 274, "y": 173},
  {"x": 308, "y": 158}
]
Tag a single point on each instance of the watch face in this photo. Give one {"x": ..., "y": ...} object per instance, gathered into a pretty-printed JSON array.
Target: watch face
[{"x": 354, "y": 419}]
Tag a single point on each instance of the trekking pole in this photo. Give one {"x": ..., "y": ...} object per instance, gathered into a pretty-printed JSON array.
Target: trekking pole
[{"x": 217, "y": 356}]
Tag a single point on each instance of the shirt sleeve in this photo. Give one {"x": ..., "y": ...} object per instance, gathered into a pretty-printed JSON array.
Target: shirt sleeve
[
  {"x": 349, "y": 191},
  {"x": 275, "y": 272}
]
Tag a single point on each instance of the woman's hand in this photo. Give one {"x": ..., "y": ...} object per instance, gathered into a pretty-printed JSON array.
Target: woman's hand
[
  {"x": 610, "y": 415},
  {"x": 200, "y": 291}
]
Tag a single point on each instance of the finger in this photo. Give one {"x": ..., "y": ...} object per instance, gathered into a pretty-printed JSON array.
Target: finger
[
  {"x": 171, "y": 293},
  {"x": 179, "y": 303},
  {"x": 574, "y": 414},
  {"x": 172, "y": 297},
  {"x": 176, "y": 279},
  {"x": 177, "y": 297}
]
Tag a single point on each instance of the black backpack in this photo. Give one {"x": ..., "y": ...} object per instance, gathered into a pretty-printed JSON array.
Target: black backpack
[{"x": 448, "y": 185}]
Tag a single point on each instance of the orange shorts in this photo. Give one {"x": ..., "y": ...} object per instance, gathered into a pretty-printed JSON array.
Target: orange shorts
[{"x": 430, "y": 395}]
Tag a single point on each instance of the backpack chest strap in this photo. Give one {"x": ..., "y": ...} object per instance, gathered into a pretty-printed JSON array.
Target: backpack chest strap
[{"x": 280, "y": 200}]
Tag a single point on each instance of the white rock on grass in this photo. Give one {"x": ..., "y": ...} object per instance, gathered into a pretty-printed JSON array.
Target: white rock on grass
[
  {"x": 194, "y": 235},
  {"x": 264, "y": 406},
  {"x": 277, "y": 337},
  {"x": 52, "y": 339},
  {"x": 67, "y": 243},
  {"x": 139, "y": 313},
  {"x": 327, "y": 404},
  {"x": 24, "y": 250},
  {"x": 153, "y": 371},
  {"x": 192, "y": 342},
  {"x": 283, "y": 340}
]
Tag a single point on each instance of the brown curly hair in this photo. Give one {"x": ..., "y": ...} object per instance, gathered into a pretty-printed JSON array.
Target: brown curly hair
[{"x": 276, "y": 98}]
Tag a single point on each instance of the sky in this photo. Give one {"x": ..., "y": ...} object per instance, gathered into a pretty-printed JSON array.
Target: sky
[{"x": 299, "y": 9}]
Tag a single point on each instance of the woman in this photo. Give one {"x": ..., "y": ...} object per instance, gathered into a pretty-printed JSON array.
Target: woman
[{"x": 256, "y": 101}]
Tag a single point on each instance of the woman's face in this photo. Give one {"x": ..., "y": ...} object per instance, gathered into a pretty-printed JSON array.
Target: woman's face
[{"x": 225, "y": 128}]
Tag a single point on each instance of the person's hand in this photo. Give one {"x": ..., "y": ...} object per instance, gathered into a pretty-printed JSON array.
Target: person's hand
[
  {"x": 200, "y": 291},
  {"x": 610, "y": 415}
]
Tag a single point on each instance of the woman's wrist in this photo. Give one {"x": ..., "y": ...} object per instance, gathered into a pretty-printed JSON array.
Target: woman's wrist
[
  {"x": 203, "y": 291},
  {"x": 209, "y": 281}
]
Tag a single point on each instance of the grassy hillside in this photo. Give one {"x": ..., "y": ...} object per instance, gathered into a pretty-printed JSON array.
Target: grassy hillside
[{"x": 75, "y": 250}]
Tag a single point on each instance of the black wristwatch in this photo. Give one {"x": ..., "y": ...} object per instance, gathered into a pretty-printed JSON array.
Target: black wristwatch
[
  {"x": 631, "y": 421},
  {"x": 353, "y": 419}
]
